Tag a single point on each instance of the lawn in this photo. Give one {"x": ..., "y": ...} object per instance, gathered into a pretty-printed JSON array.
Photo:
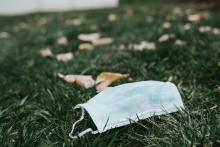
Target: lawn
[{"x": 36, "y": 106}]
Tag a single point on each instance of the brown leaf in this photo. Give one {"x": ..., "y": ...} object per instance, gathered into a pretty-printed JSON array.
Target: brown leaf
[
  {"x": 196, "y": 18},
  {"x": 112, "y": 17},
  {"x": 179, "y": 42},
  {"x": 85, "y": 81},
  {"x": 62, "y": 40},
  {"x": 46, "y": 52},
  {"x": 89, "y": 37},
  {"x": 144, "y": 45},
  {"x": 205, "y": 29},
  {"x": 105, "y": 79},
  {"x": 218, "y": 64},
  {"x": 64, "y": 57},
  {"x": 166, "y": 25},
  {"x": 102, "y": 41},
  {"x": 216, "y": 31},
  {"x": 86, "y": 46}
]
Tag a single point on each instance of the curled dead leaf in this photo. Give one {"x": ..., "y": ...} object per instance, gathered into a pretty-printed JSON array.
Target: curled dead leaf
[
  {"x": 86, "y": 46},
  {"x": 62, "y": 40},
  {"x": 84, "y": 81},
  {"x": 102, "y": 41},
  {"x": 89, "y": 37},
  {"x": 64, "y": 57},
  {"x": 105, "y": 79},
  {"x": 46, "y": 52}
]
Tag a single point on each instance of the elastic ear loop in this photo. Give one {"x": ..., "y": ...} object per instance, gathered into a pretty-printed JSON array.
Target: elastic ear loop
[{"x": 83, "y": 132}]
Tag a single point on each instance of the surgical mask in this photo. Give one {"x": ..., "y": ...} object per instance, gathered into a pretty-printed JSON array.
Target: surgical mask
[{"x": 128, "y": 103}]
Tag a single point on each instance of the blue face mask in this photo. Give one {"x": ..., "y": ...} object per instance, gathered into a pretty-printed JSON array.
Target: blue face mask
[{"x": 127, "y": 103}]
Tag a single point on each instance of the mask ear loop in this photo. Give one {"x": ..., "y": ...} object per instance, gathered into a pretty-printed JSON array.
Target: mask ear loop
[{"x": 83, "y": 132}]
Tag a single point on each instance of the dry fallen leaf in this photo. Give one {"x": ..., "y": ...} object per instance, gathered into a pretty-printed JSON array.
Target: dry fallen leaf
[
  {"x": 89, "y": 37},
  {"x": 166, "y": 25},
  {"x": 86, "y": 46},
  {"x": 112, "y": 17},
  {"x": 62, "y": 40},
  {"x": 196, "y": 18},
  {"x": 102, "y": 41},
  {"x": 46, "y": 52},
  {"x": 218, "y": 88},
  {"x": 144, "y": 45},
  {"x": 105, "y": 79},
  {"x": 4, "y": 35},
  {"x": 64, "y": 57},
  {"x": 85, "y": 81},
  {"x": 179, "y": 42},
  {"x": 218, "y": 64},
  {"x": 166, "y": 37},
  {"x": 205, "y": 29},
  {"x": 216, "y": 31}
]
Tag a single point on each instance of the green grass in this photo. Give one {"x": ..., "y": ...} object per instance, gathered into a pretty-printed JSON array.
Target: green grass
[{"x": 45, "y": 118}]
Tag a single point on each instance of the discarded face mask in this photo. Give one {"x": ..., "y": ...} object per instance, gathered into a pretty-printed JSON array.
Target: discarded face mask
[{"x": 124, "y": 104}]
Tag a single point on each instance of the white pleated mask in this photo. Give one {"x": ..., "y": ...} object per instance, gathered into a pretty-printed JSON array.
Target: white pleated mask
[{"x": 124, "y": 104}]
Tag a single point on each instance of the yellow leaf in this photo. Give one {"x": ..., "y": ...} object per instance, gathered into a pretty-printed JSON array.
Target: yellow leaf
[
  {"x": 64, "y": 57},
  {"x": 105, "y": 79},
  {"x": 85, "y": 81}
]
